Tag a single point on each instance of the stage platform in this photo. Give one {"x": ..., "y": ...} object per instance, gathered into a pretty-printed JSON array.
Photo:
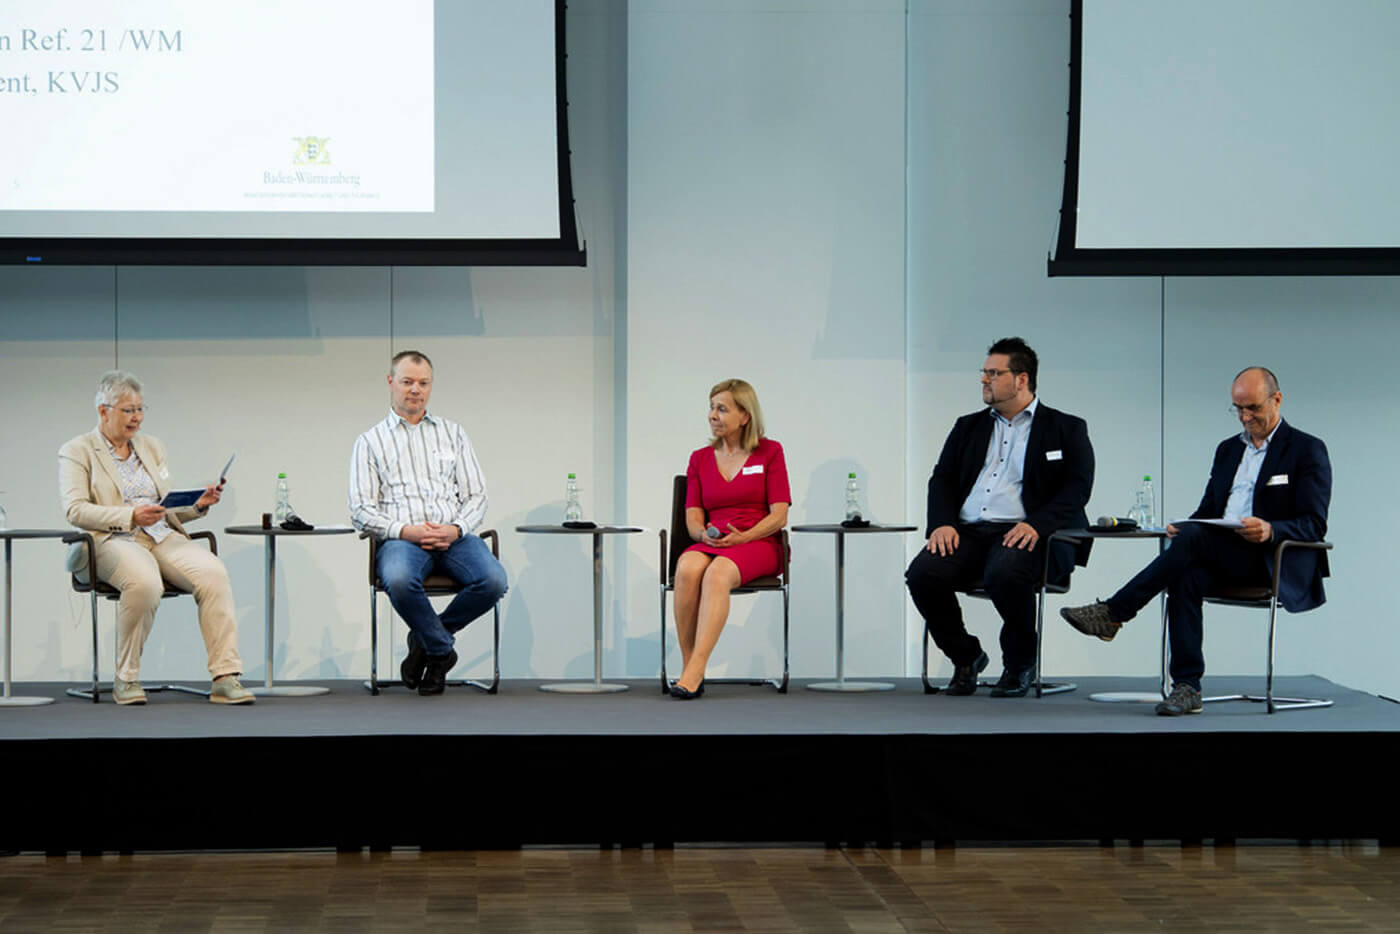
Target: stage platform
[{"x": 743, "y": 764}]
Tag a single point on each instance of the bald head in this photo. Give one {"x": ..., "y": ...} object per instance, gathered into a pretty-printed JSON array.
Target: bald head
[{"x": 1256, "y": 400}]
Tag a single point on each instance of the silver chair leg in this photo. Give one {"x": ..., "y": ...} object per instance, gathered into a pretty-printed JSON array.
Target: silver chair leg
[
  {"x": 1271, "y": 703},
  {"x": 665, "y": 684}
]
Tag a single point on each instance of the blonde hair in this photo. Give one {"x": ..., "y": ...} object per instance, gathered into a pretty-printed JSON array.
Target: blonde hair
[{"x": 747, "y": 400}]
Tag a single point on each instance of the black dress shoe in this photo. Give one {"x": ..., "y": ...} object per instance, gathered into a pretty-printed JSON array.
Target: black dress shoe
[
  {"x": 1013, "y": 683},
  {"x": 965, "y": 677},
  {"x": 684, "y": 693},
  {"x": 412, "y": 668},
  {"x": 435, "y": 673}
]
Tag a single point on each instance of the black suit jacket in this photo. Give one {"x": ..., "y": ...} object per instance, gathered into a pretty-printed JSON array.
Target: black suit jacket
[
  {"x": 1293, "y": 492},
  {"x": 1055, "y": 483}
]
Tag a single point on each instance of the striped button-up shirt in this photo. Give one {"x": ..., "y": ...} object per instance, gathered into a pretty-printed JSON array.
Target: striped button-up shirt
[{"x": 403, "y": 474}]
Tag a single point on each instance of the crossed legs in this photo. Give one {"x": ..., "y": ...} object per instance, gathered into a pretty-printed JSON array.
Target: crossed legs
[{"x": 703, "y": 585}]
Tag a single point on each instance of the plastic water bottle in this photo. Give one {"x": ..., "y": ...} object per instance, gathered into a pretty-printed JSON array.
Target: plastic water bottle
[
  {"x": 852, "y": 497},
  {"x": 573, "y": 511},
  {"x": 1147, "y": 497},
  {"x": 282, "y": 503}
]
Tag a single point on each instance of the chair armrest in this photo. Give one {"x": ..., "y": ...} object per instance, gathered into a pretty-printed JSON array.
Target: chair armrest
[
  {"x": 787, "y": 554},
  {"x": 72, "y": 538},
  {"x": 495, "y": 540},
  {"x": 209, "y": 536},
  {"x": 373, "y": 555},
  {"x": 665, "y": 558},
  {"x": 1293, "y": 543}
]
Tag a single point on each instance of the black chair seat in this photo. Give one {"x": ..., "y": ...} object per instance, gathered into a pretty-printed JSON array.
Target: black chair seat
[{"x": 1242, "y": 595}]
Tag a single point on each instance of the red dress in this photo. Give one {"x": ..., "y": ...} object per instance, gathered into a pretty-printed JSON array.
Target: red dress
[{"x": 743, "y": 502}]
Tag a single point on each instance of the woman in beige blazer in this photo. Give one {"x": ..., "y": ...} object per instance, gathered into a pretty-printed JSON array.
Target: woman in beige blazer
[{"x": 112, "y": 481}]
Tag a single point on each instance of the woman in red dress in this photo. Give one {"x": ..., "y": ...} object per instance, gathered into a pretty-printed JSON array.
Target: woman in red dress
[{"x": 736, "y": 501}]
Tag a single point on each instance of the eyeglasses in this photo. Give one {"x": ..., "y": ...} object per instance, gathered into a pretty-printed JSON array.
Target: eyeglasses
[
  {"x": 129, "y": 410},
  {"x": 992, "y": 374},
  {"x": 1238, "y": 410}
]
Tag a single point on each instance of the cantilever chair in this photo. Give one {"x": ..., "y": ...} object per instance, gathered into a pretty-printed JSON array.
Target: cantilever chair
[
  {"x": 1264, "y": 597},
  {"x": 95, "y": 588},
  {"x": 1046, "y": 587},
  {"x": 436, "y": 585},
  {"x": 679, "y": 541}
]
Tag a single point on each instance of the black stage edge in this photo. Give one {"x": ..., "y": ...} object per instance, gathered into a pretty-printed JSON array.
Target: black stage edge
[{"x": 742, "y": 765}]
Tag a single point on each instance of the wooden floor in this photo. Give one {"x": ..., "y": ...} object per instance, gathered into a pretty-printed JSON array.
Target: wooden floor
[{"x": 1343, "y": 887}]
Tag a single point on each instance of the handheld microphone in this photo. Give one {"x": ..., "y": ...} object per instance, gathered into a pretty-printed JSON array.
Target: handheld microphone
[
  {"x": 1114, "y": 522},
  {"x": 712, "y": 532}
]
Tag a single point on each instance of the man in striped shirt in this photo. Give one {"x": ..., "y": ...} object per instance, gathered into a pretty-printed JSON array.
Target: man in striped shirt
[{"x": 416, "y": 485}]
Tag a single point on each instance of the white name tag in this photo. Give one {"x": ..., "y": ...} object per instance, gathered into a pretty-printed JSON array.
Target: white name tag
[
  {"x": 1054, "y": 455},
  {"x": 756, "y": 468},
  {"x": 1278, "y": 479}
]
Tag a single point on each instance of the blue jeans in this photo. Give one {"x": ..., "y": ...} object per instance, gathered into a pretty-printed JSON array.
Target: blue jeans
[{"x": 403, "y": 566}]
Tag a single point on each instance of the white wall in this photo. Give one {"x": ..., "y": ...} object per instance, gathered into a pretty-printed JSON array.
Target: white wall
[
  {"x": 843, "y": 202},
  {"x": 766, "y": 213}
]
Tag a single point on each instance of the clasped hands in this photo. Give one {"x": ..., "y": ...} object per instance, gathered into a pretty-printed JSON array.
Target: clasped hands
[
  {"x": 732, "y": 538},
  {"x": 431, "y": 536}
]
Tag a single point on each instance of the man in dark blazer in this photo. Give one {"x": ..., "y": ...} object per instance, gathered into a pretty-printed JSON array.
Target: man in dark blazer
[
  {"x": 1276, "y": 481},
  {"x": 1009, "y": 477}
]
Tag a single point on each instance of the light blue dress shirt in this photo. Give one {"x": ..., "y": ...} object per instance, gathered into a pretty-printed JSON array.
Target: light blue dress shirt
[
  {"x": 1241, "y": 501},
  {"x": 996, "y": 496}
]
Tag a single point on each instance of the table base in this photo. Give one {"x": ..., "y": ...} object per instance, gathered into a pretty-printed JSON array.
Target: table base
[
  {"x": 1127, "y": 697},
  {"x": 583, "y": 687},
  {"x": 289, "y": 690},
  {"x": 851, "y": 687},
  {"x": 17, "y": 701}
]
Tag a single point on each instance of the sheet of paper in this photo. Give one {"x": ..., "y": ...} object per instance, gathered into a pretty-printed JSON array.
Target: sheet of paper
[{"x": 1222, "y": 523}]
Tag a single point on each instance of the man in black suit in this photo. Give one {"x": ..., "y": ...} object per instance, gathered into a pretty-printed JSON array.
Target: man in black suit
[
  {"x": 1009, "y": 476},
  {"x": 1276, "y": 481}
]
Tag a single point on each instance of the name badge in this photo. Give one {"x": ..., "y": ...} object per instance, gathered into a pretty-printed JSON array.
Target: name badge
[
  {"x": 756, "y": 468},
  {"x": 1054, "y": 455},
  {"x": 1278, "y": 479}
]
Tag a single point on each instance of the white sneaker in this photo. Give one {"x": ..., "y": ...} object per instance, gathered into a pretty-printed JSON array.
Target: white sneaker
[
  {"x": 128, "y": 692},
  {"x": 229, "y": 691}
]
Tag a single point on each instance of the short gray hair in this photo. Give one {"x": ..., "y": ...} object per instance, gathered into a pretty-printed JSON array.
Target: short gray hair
[{"x": 114, "y": 384}]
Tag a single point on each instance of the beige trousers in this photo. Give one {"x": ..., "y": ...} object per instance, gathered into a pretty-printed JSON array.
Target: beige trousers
[{"x": 136, "y": 566}]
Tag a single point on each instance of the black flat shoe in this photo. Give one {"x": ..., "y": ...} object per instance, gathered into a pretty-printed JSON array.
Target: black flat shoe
[
  {"x": 683, "y": 693},
  {"x": 412, "y": 668},
  {"x": 435, "y": 669}
]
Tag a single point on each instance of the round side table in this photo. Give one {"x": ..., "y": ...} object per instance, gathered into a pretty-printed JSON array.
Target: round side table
[
  {"x": 11, "y": 536},
  {"x": 270, "y": 537},
  {"x": 597, "y": 685},
  {"x": 840, "y": 531}
]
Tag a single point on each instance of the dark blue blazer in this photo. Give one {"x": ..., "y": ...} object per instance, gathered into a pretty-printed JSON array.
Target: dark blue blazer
[
  {"x": 1294, "y": 503},
  {"x": 1055, "y": 483}
]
